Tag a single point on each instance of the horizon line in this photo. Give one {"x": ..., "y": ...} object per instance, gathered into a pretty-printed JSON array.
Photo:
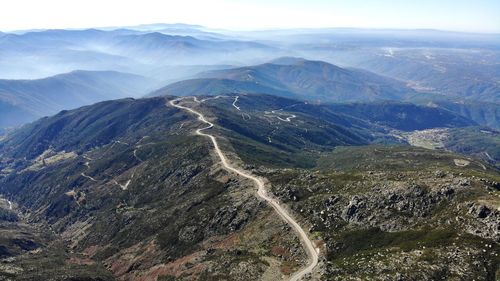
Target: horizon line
[{"x": 117, "y": 27}]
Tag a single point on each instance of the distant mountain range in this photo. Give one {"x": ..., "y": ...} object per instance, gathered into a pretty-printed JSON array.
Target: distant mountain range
[
  {"x": 123, "y": 50},
  {"x": 452, "y": 69},
  {"x": 454, "y": 73},
  {"x": 23, "y": 101},
  {"x": 151, "y": 48},
  {"x": 292, "y": 77},
  {"x": 457, "y": 65},
  {"x": 317, "y": 81}
]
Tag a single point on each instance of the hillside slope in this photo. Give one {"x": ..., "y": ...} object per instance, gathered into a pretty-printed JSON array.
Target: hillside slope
[
  {"x": 308, "y": 80},
  {"x": 293, "y": 131},
  {"x": 129, "y": 190},
  {"x": 26, "y": 100},
  {"x": 320, "y": 82}
]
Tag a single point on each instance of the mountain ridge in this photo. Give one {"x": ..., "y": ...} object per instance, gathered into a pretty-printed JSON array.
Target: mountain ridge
[
  {"x": 310, "y": 80},
  {"x": 127, "y": 181}
]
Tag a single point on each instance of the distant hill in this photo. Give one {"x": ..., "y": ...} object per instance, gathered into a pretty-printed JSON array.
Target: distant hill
[
  {"x": 12, "y": 115},
  {"x": 124, "y": 50},
  {"x": 156, "y": 48},
  {"x": 453, "y": 70},
  {"x": 322, "y": 82},
  {"x": 215, "y": 86},
  {"x": 462, "y": 74},
  {"x": 159, "y": 42},
  {"x": 404, "y": 116},
  {"x": 486, "y": 114},
  {"x": 299, "y": 78},
  {"x": 22, "y": 101}
]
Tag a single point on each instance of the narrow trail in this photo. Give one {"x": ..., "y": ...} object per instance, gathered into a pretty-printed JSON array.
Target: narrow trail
[
  {"x": 129, "y": 181},
  {"x": 87, "y": 164},
  {"x": 489, "y": 156},
  {"x": 88, "y": 177},
  {"x": 123, "y": 186},
  {"x": 288, "y": 119},
  {"x": 234, "y": 103},
  {"x": 312, "y": 252}
]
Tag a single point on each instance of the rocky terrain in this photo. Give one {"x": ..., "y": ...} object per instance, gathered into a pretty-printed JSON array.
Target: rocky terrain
[
  {"x": 382, "y": 212},
  {"x": 419, "y": 217},
  {"x": 139, "y": 206},
  {"x": 125, "y": 190}
]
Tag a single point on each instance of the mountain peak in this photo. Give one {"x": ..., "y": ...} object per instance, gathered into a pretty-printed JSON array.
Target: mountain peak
[{"x": 297, "y": 78}]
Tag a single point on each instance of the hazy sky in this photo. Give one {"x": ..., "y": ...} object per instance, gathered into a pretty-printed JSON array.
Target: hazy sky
[{"x": 461, "y": 15}]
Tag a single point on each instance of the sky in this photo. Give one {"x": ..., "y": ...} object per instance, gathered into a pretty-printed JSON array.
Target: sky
[{"x": 456, "y": 15}]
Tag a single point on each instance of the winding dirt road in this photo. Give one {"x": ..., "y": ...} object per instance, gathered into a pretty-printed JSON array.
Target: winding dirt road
[{"x": 312, "y": 252}]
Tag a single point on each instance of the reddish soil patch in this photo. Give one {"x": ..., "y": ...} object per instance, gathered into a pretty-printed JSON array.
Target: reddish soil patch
[
  {"x": 288, "y": 267},
  {"x": 280, "y": 251},
  {"x": 185, "y": 267},
  {"x": 91, "y": 251},
  {"x": 228, "y": 243}
]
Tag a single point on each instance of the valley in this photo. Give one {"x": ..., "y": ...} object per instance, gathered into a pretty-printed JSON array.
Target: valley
[
  {"x": 24, "y": 101},
  {"x": 169, "y": 152}
]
